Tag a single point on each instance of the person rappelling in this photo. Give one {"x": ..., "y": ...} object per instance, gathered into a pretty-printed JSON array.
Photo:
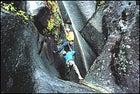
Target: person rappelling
[
  {"x": 69, "y": 43},
  {"x": 68, "y": 53},
  {"x": 69, "y": 59}
]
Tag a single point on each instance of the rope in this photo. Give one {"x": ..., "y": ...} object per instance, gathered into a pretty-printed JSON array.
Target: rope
[{"x": 69, "y": 47}]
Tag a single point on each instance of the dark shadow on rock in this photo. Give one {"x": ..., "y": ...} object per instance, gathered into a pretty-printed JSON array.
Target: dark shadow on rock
[
  {"x": 16, "y": 54},
  {"x": 22, "y": 68},
  {"x": 94, "y": 38},
  {"x": 39, "y": 19}
]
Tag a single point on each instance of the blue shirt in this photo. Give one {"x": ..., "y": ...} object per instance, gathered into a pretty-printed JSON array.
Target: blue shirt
[{"x": 69, "y": 55}]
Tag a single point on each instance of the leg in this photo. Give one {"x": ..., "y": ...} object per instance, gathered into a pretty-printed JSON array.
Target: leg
[
  {"x": 68, "y": 66},
  {"x": 62, "y": 46},
  {"x": 71, "y": 62}
]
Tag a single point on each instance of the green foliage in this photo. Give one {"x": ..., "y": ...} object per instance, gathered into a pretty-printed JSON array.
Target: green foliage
[
  {"x": 22, "y": 14},
  {"x": 58, "y": 20},
  {"x": 51, "y": 24},
  {"x": 55, "y": 21},
  {"x": 99, "y": 3},
  {"x": 10, "y": 7},
  {"x": 45, "y": 31}
]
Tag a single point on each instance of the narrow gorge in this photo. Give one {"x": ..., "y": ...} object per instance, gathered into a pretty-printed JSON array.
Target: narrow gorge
[{"x": 107, "y": 50}]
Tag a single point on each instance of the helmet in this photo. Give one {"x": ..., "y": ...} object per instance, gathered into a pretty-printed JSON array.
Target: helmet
[
  {"x": 67, "y": 30},
  {"x": 71, "y": 42}
]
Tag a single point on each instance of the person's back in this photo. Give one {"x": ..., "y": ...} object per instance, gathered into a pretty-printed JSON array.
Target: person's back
[
  {"x": 69, "y": 55},
  {"x": 67, "y": 44},
  {"x": 69, "y": 35}
]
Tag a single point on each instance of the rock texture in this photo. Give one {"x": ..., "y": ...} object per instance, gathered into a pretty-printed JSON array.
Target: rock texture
[
  {"x": 100, "y": 72},
  {"x": 33, "y": 7},
  {"x": 22, "y": 68},
  {"x": 87, "y": 23},
  {"x": 117, "y": 50},
  {"x": 78, "y": 21},
  {"x": 114, "y": 66},
  {"x": 15, "y": 48},
  {"x": 110, "y": 51},
  {"x": 63, "y": 13},
  {"x": 41, "y": 21}
]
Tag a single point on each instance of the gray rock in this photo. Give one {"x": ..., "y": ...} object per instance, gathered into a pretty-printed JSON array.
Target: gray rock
[
  {"x": 119, "y": 68},
  {"x": 63, "y": 12},
  {"x": 87, "y": 8},
  {"x": 100, "y": 71},
  {"x": 74, "y": 12},
  {"x": 22, "y": 68},
  {"x": 33, "y": 7}
]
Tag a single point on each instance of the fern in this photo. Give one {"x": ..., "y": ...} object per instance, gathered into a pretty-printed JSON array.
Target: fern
[
  {"x": 51, "y": 24},
  {"x": 55, "y": 20},
  {"x": 10, "y": 7},
  {"x": 22, "y": 14}
]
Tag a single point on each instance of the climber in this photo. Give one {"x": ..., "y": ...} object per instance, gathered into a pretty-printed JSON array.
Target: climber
[
  {"x": 70, "y": 40},
  {"x": 69, "y": 35},
  {"x": 68, "y": 55}
]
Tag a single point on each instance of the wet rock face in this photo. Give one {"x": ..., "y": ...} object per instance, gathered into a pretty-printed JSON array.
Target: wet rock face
[
  {"x": 21, "y": 63},
  {"x": 118, "y": 63},
  {"x": 16, "y": 53},
  {"x": 87, "y": 11},
  {"x": 78, "y": 22},
  {"x": 21, "y": 5},
  {"x": 78, "y": 19},
  {"x": 90, "y": 34},
  {"x": 33, "y": 7},
  {"x": 127, "y": 58},
  {"x": 99, "y": 72},
  {"x": 115, "y": 69},
  {"x": 22, "y": 69},
  {"x": 39, "y": 19},
  {"x": 131, "y": 48},
  {"x": 63, "y": 12},
  {"x": 87, "y": 22}
]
